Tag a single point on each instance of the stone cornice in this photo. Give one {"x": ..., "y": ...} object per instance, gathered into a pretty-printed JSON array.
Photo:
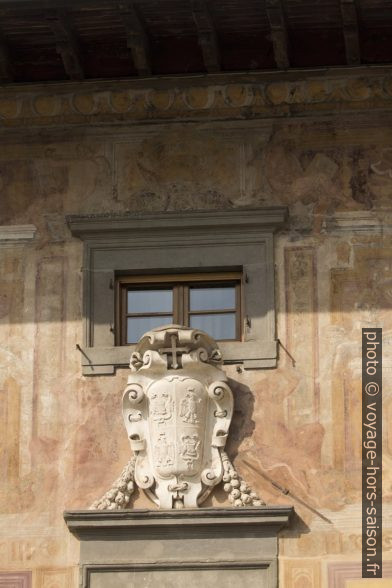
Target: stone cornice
[
  {"x": 364, "y": 221},
  {"x": 11, "y": 235},
  {"x": 197, "y": 98},
  {"x": 87, "y": 523},
  {"x": 112, "y": 225}
]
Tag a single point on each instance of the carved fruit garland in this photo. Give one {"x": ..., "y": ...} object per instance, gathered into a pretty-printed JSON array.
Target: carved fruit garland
[
  {"x": 240, "y": 494},
  {"x": 119, "y": 495}
]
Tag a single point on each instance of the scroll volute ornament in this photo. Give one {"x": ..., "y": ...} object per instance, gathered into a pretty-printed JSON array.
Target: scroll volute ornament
[{"x": 177, "y": 409}]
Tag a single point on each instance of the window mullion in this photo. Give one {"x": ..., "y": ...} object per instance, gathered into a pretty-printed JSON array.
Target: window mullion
[
  {"x": 176, "y": 304},
  {"x": 185, "y": 306}
]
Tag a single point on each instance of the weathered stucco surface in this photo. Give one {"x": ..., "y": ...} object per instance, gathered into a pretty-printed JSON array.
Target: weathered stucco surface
[{"x": 62, "y": 441}]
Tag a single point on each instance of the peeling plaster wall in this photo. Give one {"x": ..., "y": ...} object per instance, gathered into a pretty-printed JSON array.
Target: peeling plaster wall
[{"x": 62, "y": 440}]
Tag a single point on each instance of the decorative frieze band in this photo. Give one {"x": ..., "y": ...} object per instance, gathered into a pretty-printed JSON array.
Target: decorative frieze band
[{"x": 225, "y": 97}]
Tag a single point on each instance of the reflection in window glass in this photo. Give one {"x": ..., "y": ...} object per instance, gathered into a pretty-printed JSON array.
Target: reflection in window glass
[
  {"x": 219, "y": 326},
  {"x": 146, "y": 301},
  {"x": 137, "y": 326},
  {"x": 212, "y": 298}
]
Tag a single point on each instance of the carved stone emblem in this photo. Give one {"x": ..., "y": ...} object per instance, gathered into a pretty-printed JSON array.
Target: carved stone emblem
[
  {"x": 186, "y": 405},
  {"x": 177, "y": 409},
  {"x": 189, "y": 407},
  {"x": 189, "y": 449}
]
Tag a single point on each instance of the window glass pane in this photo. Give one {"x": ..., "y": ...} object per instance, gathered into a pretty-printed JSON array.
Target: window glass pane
[
  {"x": 145, "y": 301},
  {"x": 219, "y": 326},
  {"x": 136, "y": 327},
  {"x": 212, "y": 298}
]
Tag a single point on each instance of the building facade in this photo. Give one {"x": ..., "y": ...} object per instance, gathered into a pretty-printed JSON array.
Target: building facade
[{"x": 316, "y": 145}]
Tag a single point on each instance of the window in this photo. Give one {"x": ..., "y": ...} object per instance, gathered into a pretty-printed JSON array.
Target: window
[
  {"x": 209, "y": 302},
  {"x": 172, "y": 266}
]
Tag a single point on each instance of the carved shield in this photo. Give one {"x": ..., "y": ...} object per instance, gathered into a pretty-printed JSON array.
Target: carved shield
[
  {"x": 176, "y": 425},
  {"x": 177, "y": 418}
]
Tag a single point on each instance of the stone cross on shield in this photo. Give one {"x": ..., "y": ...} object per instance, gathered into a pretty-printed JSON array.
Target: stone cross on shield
[{"x": 172, "y": 353}]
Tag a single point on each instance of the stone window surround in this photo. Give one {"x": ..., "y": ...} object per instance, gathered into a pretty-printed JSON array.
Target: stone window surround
[{"x": 193, "y": 240}]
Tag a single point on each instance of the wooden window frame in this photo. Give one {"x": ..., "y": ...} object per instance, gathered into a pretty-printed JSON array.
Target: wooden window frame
[{"x": 181, "y": 284}]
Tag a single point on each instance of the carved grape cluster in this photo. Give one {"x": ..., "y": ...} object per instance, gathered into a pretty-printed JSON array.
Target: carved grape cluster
[
  {"x": 240, "y": 494},
  {"x": 118, "y": 497}
]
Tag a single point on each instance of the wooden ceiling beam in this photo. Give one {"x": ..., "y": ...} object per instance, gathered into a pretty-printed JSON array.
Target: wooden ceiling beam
[
  {"x": 279, "y": 34},
  {"x": 137, "y": 40},
  {"x": 207, "y": 35},
  {"x": 350, "y": 31},
  {"x": 66, "y": 45},
  {"x": 6, "y": 71}
]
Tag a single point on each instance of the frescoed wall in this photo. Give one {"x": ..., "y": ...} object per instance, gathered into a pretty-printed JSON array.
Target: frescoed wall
[{"x": 324, "y": 150}]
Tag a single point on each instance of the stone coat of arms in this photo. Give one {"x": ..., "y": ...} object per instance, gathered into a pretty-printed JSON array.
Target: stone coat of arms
[{"x": 177, "y": 409}]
